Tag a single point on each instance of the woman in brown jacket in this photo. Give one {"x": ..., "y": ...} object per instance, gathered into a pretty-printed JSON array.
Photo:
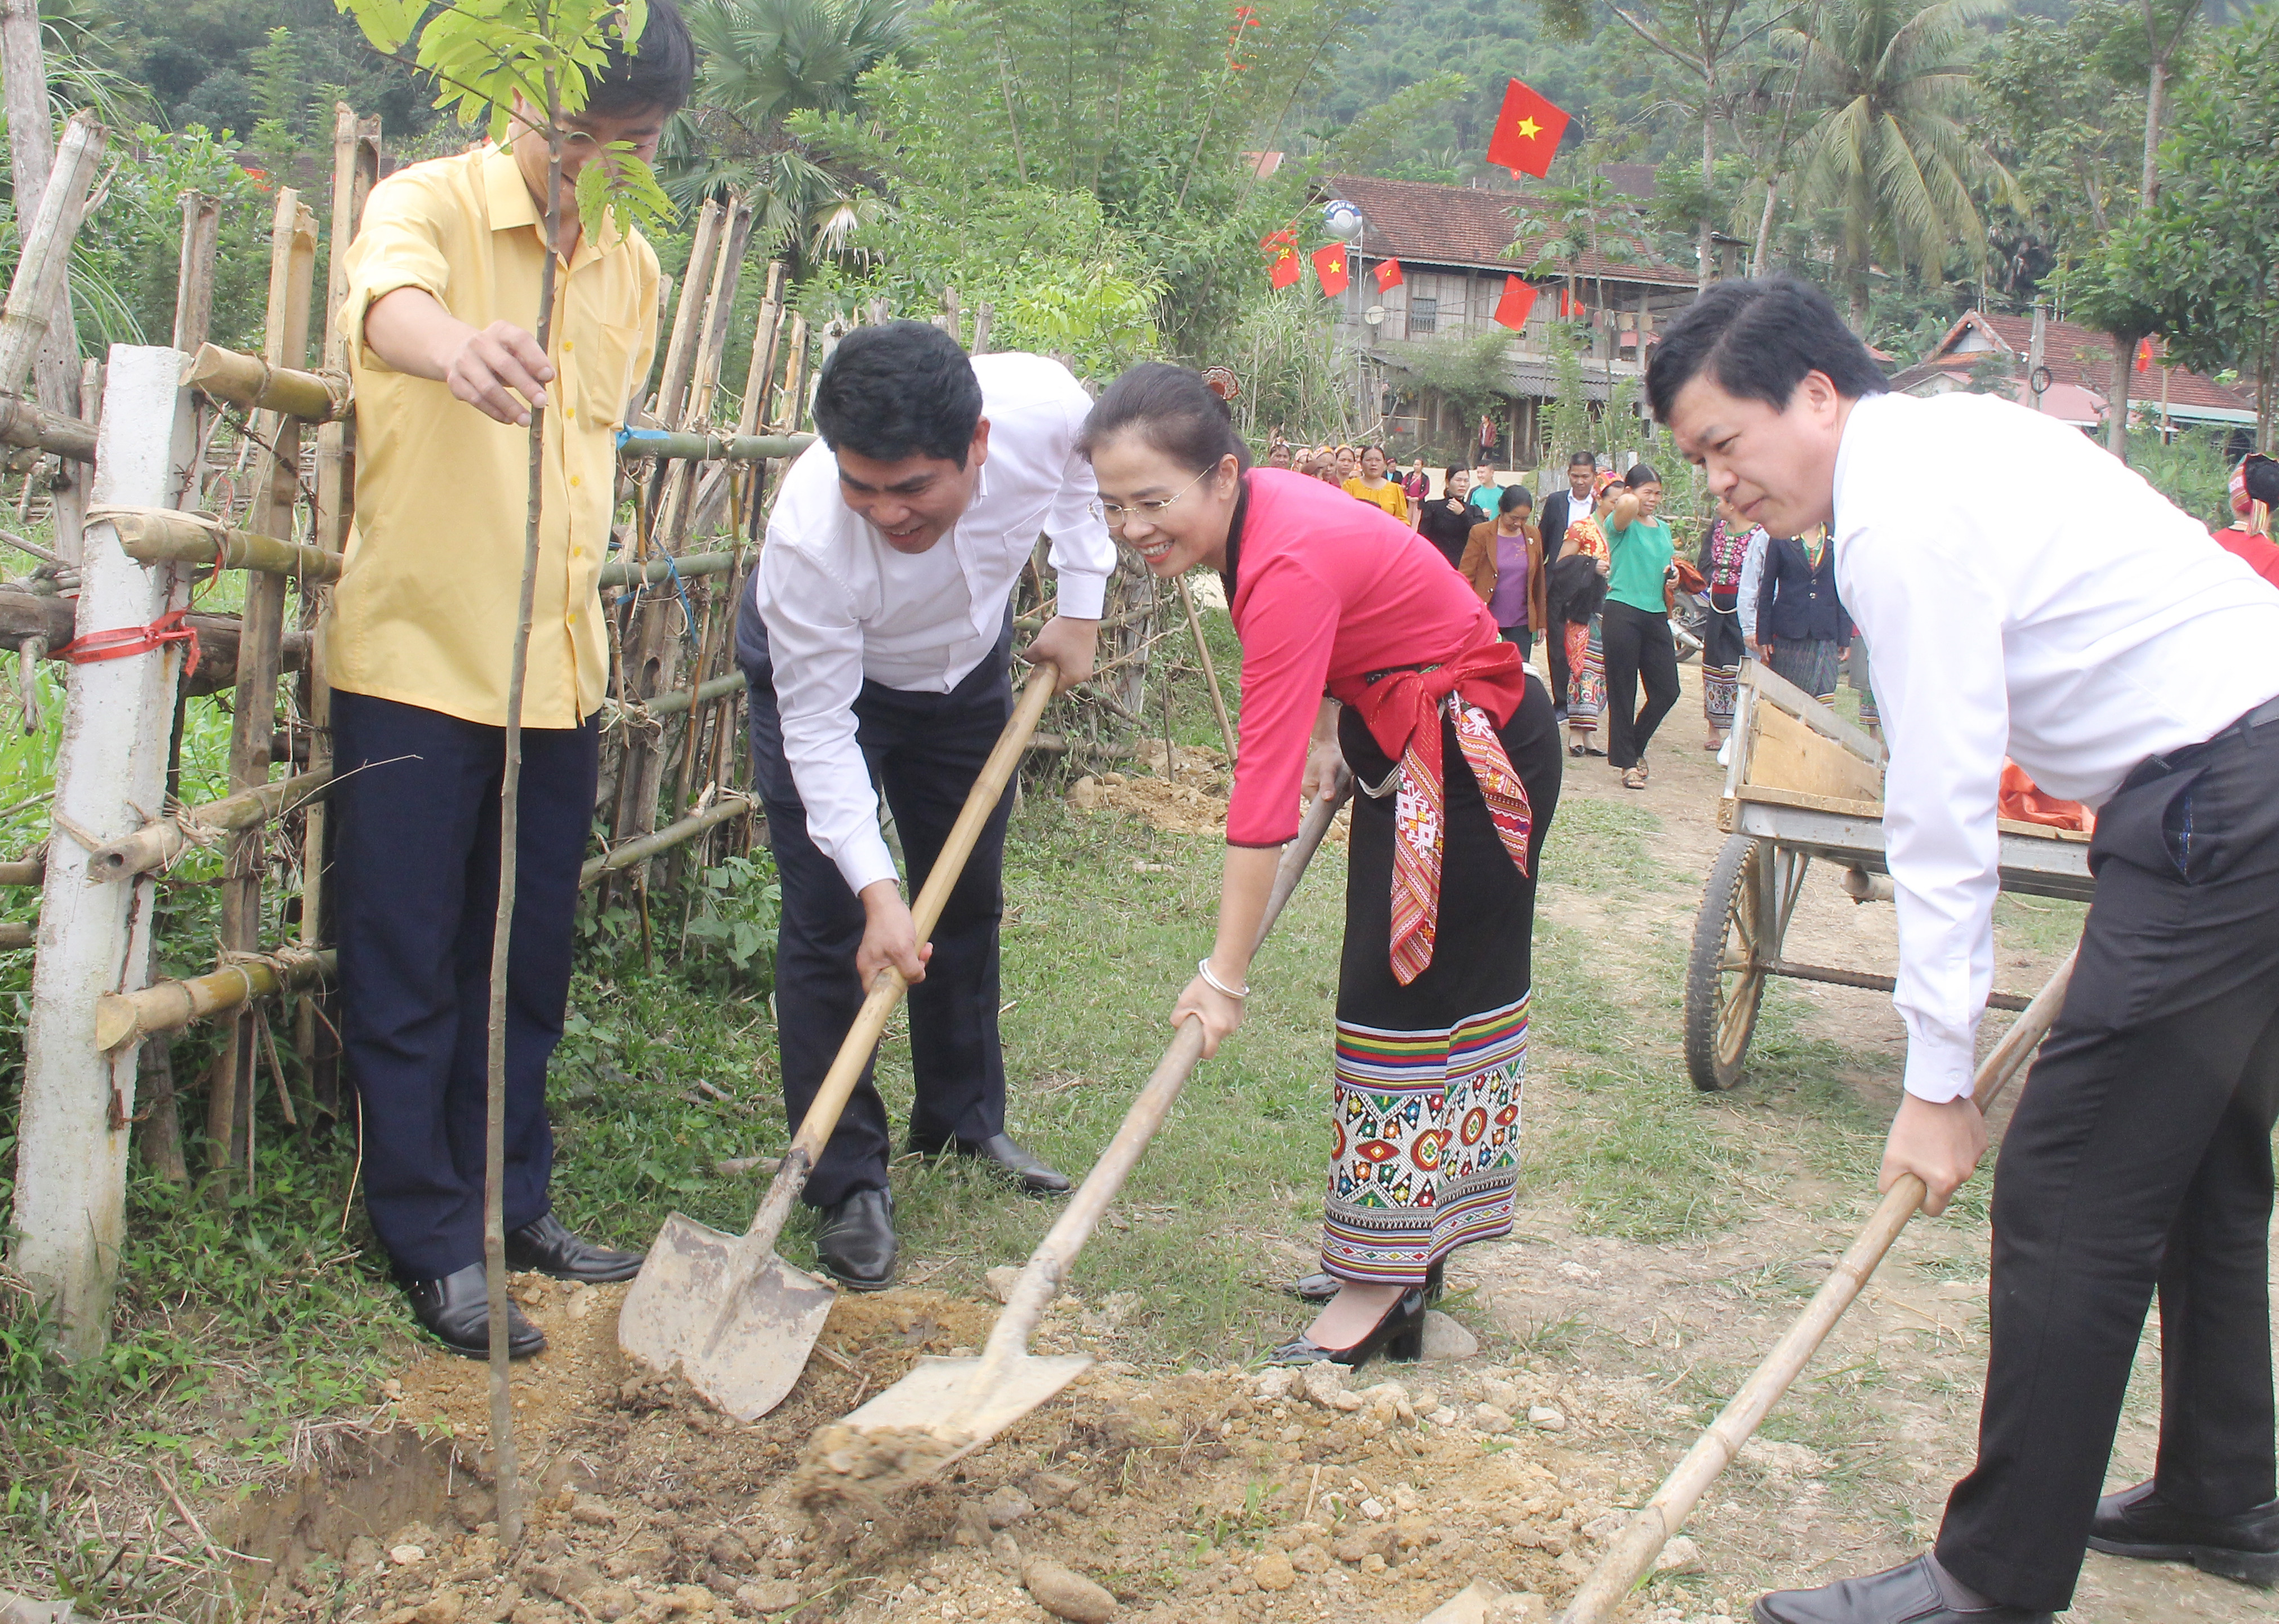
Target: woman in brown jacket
[{"x": 1503, "y": 560}]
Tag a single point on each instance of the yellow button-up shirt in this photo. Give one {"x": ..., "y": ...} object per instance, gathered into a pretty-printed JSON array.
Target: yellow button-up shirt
[{"x": 426, "y": 608}]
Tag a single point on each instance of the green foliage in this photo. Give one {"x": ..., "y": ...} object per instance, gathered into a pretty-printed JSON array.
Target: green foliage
[
  {"x": 1295, "y": 377},
  {"x": 2199, "y": 267},
  {"x": 501, "y": 63},
  {"x": 1108, "y": 133},
  {"x": 1889, "y": 147},
  {"x": 1468, "y": 371},
  {"x": 196, "y": 62},
  {"x": 128, "y": 254},
  {"x": 759, "y": 63},
  {"x": 2193, "y": 470}
]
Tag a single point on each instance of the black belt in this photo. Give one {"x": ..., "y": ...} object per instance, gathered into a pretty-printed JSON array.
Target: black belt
[{"x": 2157, "y": 766}]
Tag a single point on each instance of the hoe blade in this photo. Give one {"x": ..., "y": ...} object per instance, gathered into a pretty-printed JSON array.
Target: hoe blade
[
  {"x": 938, "y": 1395},
  {"x": 740, "y": 1342}
]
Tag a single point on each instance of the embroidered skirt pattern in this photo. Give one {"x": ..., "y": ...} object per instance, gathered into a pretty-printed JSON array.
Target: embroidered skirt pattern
[
  {"x": 1425, "y": 1098},
  {"x": 1586, "y": 675},
  {"x": 1809, "y": 663},
  {"x": 1424, "y": 1143},
  {"x": 1721, "y": 668}
]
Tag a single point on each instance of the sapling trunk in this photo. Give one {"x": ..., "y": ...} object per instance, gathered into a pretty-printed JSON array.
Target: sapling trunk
[{"x": 502, "y": 1453}]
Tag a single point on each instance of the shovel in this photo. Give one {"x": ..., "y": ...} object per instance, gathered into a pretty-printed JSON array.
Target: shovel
[
  {"x": 737, "y": 1318},
  {"x": 946, "y": 1408}
]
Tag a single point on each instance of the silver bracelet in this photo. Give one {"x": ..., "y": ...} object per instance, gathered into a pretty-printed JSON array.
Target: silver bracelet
[{"x": 1203, "y": 969}]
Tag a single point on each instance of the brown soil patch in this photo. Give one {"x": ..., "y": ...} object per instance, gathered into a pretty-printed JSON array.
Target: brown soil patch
[
  {"x": 1192, "y": 800},
  {"x": 1192, "y": 1497}
]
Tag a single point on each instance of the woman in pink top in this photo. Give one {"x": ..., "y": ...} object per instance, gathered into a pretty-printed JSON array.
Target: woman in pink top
[{"x": 1361, "y": 649}]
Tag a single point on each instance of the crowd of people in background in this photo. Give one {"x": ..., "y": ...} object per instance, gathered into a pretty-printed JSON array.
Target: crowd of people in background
[{"x": 1594, "y": 577}]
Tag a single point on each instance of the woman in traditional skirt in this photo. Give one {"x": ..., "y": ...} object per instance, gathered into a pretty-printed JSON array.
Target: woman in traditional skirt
[
  {"x": 1457, "y": 757},
  {"x": 1802, "y": 624},
  {"x": 1585, "y": 640},
  {"x": 1724, "y": 557}
]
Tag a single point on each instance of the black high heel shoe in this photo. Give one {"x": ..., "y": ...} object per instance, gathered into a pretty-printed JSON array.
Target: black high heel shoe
[
  {"x": 1399, "y": 1334},
  {"x": 1322, "y": 1285}
]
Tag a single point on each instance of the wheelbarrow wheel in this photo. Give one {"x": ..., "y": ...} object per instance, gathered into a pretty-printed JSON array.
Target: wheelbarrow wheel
[{"x": 1735, "y": 936}]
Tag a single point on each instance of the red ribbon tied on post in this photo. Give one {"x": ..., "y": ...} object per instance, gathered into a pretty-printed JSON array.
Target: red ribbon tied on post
[{"x": 123, "y": 641}]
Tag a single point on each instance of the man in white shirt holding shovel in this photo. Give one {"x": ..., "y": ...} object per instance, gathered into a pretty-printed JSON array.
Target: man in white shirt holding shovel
[
  {"x": 2071, "y": 617},
  {"x": 875, "y": 641}
]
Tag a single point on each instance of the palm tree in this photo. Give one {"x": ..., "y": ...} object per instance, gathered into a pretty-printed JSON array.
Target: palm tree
[
  {"x": 760, "y": 63},
  {"x": 1889, "y": 150}
]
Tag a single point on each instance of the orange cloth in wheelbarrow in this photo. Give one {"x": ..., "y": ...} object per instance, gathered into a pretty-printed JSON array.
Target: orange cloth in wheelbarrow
[
  {"x": 2021, "y": 800},
  {"x": 1479, "y": 690}
]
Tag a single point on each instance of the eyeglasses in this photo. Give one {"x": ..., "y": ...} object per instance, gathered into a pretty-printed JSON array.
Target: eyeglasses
[{"x": 1117, "y": 514}]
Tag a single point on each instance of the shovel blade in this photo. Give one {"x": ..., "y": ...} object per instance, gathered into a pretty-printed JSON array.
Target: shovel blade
[
  {"x": 741, "y": 1342},
  {"x": 938, "y": 1395}
]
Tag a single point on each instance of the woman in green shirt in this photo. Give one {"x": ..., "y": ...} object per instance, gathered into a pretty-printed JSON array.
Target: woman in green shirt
[{"x": 1637, "y": 625}]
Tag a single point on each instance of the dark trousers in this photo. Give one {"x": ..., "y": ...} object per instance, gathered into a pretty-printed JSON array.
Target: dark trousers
[
  {"x": 925, "y": 750},
  {"x": 1520, "y": 637},
  {"x": 1555, "y": 643},
  {"x": 415, "y": 868},
  {"x": 1721, "y": 643},
  {"x": 1638, "y": 649},
  {"x": 2139, "y": 1159}
]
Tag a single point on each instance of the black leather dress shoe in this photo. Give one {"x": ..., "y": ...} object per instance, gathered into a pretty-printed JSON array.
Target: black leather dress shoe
[
  {"x": 1908, "y": 1594},
  {"x": 548, "y": 1247},
  {"x": 456, "y": 1308},
  {"x": 2137, "y": 1522},
  {"x": 1030, "y": 1171},
  {"x": 1399, "y": 1334},
  {"x": 855, "y": 1240},
  {"x": 1322, "y": 1285}
]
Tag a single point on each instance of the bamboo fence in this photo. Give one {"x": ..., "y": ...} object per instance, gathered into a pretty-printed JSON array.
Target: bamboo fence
[{"x": 267, "y": 491}]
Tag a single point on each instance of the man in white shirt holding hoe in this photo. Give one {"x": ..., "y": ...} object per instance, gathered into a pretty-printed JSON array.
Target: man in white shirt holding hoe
[
  {"x": 2071, "y": 617},
  {"x": 875, "y": 642}
]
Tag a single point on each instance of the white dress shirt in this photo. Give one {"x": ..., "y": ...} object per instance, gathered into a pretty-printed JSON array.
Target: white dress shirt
[
  {"x": 841, "y": 606},
  {"x": 2063, "y": 613},
  {"x": 1752, "y": 576}
]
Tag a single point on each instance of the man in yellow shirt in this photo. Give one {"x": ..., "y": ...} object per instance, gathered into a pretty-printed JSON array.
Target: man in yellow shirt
[{"x": 443, "y": 291}]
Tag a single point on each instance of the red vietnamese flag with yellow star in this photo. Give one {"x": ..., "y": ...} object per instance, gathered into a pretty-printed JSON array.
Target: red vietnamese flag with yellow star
[
  {"x": 1330, "y": 265},
  {"x": 1527, "y": 132},
  {"x": 1519, "y": 299},
  {"x": 1281, "y": 250},
  {"x": 1388, "y": 275}
]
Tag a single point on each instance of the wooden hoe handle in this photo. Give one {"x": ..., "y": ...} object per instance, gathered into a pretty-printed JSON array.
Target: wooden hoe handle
[{"x": 1642, "y": 1538}]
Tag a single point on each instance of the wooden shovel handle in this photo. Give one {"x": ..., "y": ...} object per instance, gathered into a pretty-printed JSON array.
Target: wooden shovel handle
[
  {"x": 1048, "y": 1266},
  {"x": 1651, "y": 1528},
  {"x": 887, "y": 987}
]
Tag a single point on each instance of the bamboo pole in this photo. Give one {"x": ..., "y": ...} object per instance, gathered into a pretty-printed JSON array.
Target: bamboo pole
[
  {"x": 672, "y": 378},
  {"x": 1210, "y": 672},
  {"x": 194, "y": 279},
  {"x": 356, "y": 171},
  {"x": 16, "y": 934},
  {"x": 121, "y": 1018},
  {"x": 625, "y": 571},
  {"x": 32, "y": 152},
  {"x": 1632, "y": 1553},
  {"x": 31, "y": 871},
  {"x": 692, "y": 447},
  {"x": 727, "y": 808},
  {"x": 258, "y": 384},
  {"x": 23, "y": 424},
  {"x": 156, "y": 534},
  {"x": 38, "y": 285},
  {"x": 253, "y": 723},
  {"x": 673, "y": 704},
  {"x": 158, "y": 842},
  {"x": 795, "y": 386}
]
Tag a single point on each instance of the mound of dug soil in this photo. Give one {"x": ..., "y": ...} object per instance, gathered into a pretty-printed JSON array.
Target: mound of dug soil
[
  {"x": 1192, "y": 800},
  {"x": 1194, "y": 1497}
]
